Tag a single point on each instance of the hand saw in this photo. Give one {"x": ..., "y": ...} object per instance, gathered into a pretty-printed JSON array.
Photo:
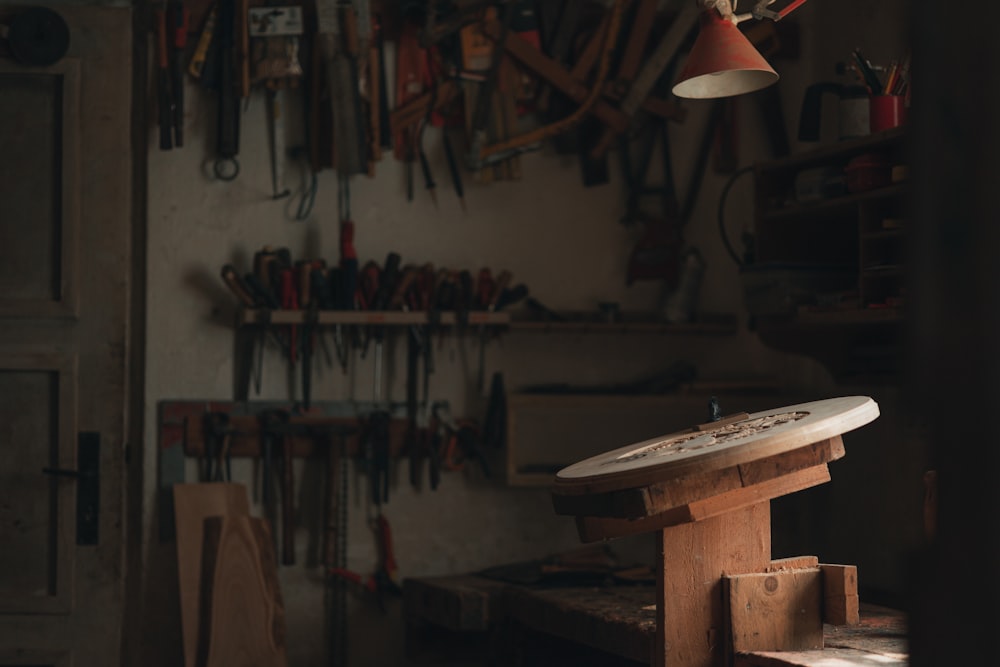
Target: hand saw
[{"x": 350, "y": 145}]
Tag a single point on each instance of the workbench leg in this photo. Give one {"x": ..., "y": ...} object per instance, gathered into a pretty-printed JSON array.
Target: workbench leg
[{"x": 691, "y": 559}]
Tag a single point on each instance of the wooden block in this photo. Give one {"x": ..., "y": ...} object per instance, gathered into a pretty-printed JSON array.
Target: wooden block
[
  {"x": 193, "y": 503},
  {"x": 596, "y": 528},
  {"x": 839, "y": 579},
  {"x": 775, "y": 611},
  {"x": 243, "y": 615},
  {"x": 793, "y": 563},
  {"x": 841, "y": 610}
]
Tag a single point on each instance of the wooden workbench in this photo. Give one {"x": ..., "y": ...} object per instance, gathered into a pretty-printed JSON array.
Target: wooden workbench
[{"x": 615, "y": 622}]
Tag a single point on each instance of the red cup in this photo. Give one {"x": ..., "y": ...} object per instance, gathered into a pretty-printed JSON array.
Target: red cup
[{"x": 886, "y": 112}]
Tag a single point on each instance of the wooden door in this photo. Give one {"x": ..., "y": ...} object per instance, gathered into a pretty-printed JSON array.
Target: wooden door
[{"x": 65, "y": 249}]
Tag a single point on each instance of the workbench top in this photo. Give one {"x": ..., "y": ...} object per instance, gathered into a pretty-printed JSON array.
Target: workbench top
[{"x": 620, "y": 620}]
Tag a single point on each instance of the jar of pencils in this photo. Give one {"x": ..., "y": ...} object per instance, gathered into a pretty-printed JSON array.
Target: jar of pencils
[{"x": 886, "y": 112}]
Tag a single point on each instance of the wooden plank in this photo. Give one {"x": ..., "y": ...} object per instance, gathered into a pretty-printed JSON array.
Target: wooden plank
[
  {"x": 243, "y": 615},
  {"x": 591, "y": 529},
  {"x": 693, "y": 558},
  {"x": 193, "y": 503},
  {"x": 662, "y": 496},
  {"x": 775, "y": 611},
  {"x": 617, "y": 620}
]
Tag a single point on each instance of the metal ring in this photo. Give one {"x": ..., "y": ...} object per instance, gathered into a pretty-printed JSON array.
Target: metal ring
[{"x": 220, "y": 168}]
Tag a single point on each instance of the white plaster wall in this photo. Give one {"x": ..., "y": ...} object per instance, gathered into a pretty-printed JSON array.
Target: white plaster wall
[{"x": 563, "y": 240}]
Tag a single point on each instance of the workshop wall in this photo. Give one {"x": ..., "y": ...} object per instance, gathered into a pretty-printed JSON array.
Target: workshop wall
[{"x": 564, "y": 241}]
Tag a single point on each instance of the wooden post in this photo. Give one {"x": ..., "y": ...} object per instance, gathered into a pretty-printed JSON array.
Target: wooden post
[{"x": 691, "y": 560}]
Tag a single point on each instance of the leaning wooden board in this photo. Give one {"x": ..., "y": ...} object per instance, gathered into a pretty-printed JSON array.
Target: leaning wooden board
[
  {"x": 193, "y": 503},
  {"x": 243, "y": 614}
]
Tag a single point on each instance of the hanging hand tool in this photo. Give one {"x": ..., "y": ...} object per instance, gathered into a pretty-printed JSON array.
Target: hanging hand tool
[
  {"x": 413, "y": 345},
  {"x": 425, "y": 167},
  {"x": 481, "y": 154},
  {"x": 276, "y": 143},
  {"x": 368, "y": 281},
  {"x": 652, "y": 68},
  {"x": 386, "y": 567},
  {"x": 290, "y": 301},
  {"x": 498, "y": 286},
  {"x": 349, "y": 143},
  {"x": 287, "y": 500},
  {"x": 237, "y": 286},
  {"x": 164, "y": 99},
  {"x": 198, "y": 58},
  {"x": 335, "y": 547},
  {"x": 411, "y": 75},
  {"x": 226, "y": 167},
  {"x": 478, "y": 133},
  {"x": 312, "y": 274},
  {"x": 387, "y": 280},
  {"x": 270, "y": 423},
  {"x": 494, "y": 424},
  {"x": 456, "y": 175},
  {"x": 377, "y": 454},
  {"x": 276, "y": 427},
  {"x": 345, "y": 297},
  {"x": 179, "y": 18},
  {"x": 217, "y": 439}
]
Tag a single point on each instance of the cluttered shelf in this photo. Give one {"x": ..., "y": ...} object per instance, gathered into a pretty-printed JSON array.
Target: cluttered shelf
[
  {"x": 828, "y": 280},
  {"x": 833, "y": 317},
  {"x": 817, "y": 209},
  {"x": 840, "y": 149}
]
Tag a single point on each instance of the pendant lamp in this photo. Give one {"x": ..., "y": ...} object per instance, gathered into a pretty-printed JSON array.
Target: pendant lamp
[{"x": 722, "y": 62}]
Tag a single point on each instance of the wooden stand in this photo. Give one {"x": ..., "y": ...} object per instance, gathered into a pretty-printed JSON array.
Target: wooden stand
[{"x": 707, "y": 492}]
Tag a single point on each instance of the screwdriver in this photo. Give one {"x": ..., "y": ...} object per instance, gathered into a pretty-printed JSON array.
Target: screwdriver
[
  {"x": 499, "y": 286},
  {"x": 428, "y": 177},
  {"x": 456, "y": 176}
]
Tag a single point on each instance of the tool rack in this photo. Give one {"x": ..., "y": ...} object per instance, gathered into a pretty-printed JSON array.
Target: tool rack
[{"x": 257, "y": 316}]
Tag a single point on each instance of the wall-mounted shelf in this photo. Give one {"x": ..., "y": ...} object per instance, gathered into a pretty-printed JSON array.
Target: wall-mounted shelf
[
  {"x": 644, "y": 323},
  {"x": 828, "y": 281},
  {"x": 572, "y": 322},
  {"x": 368, "y": 317}
]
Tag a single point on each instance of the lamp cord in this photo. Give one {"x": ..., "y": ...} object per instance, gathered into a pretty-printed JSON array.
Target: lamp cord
[{"x": 721, "y": 213}]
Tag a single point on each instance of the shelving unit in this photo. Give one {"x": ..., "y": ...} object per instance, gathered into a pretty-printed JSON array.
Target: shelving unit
[{"x": 842, "y": 253}]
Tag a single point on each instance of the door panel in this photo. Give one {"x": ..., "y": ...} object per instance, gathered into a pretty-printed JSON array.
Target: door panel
[
  {"x": 37, "y": 427},
  {"x": 39, "y": 181},
  {"x": 66, "y": 165}
]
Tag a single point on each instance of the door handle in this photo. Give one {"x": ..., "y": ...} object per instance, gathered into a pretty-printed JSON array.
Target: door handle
[{"x": 88, "y": 488}]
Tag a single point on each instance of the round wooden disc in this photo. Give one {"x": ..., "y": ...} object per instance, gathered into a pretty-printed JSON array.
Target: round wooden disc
[{"x": 695, "y": 451}]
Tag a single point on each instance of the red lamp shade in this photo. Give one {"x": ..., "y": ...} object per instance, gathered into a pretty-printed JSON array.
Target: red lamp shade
[{"x": 722, "y": 62}]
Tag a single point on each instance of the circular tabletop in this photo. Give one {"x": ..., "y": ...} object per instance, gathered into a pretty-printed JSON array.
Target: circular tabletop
[{"x": 705, "y": 448}]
